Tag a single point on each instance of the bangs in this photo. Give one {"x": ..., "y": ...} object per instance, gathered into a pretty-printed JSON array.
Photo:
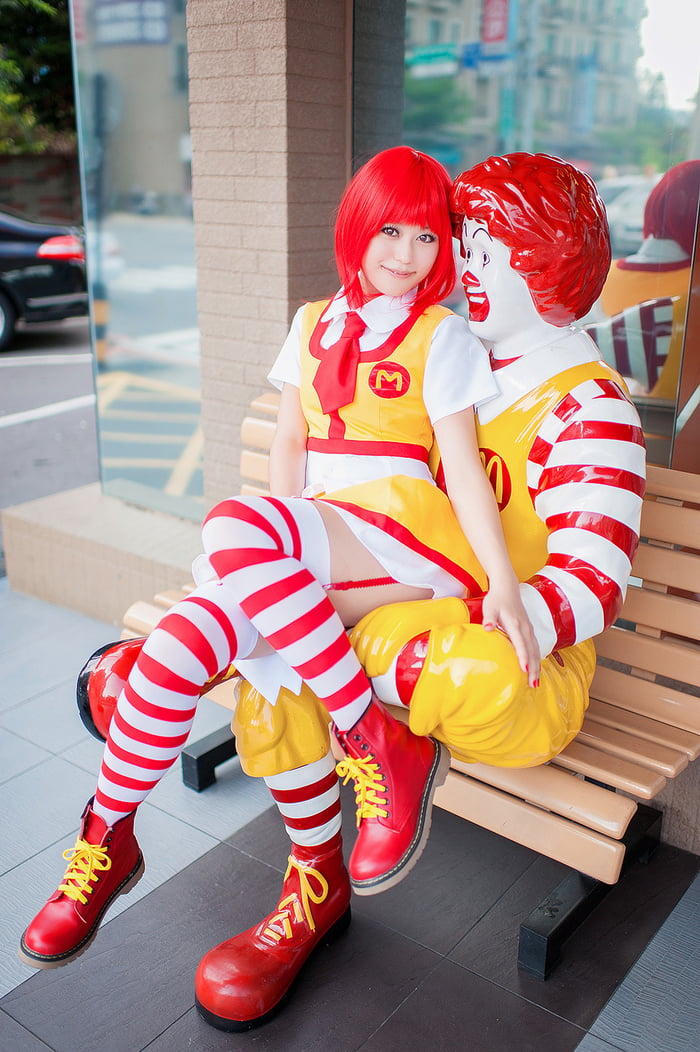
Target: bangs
[{"x": 400, "y": 185}]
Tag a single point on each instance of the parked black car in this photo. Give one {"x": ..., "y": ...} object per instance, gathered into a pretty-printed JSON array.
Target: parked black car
[{"x": 42, "y": 273}]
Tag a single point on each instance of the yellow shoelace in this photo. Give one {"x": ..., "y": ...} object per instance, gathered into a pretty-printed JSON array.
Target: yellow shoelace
[
  {"x": 86, "y": 862},
  {"x": 292, "y": 907},
  {"x": 368, "y": 784}
]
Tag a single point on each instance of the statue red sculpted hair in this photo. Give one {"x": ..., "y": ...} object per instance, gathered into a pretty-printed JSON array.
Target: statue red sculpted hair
[{"x": 552, "y": 218}]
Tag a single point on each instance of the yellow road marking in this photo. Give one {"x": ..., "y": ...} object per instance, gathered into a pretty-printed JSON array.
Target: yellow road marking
[{"x": 190, "y": 460}]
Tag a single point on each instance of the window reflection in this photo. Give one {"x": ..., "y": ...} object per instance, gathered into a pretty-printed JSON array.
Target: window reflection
[
  {"x": 612, "y": 86},
  {"x": 136, "y": 162}
]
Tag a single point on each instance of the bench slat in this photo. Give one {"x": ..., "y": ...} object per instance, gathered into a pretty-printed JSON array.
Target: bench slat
[
  {"x": 669, "y": 482},
  {"x": 643, "y": 727},
  {"x": 559, "y": 791},
  {"x": 670, "y": 613},
  {"x": 647, "y": 698},
  {"x": 168, "y": 598},
  {"x": 254, "y": 466},
  {"x": 142, "y": 617},
  {"x": 657, "y": 757},
  {"x": 257, "y": 433},
  {"x": 566, "y": 842},
  {"x": 663, "y": 657},
  {"x": 268, "y": 403},
  {"x": 670, "y": 567},
  {"x": 670, "y": 522},
  {"x": 611, "y": 770}
]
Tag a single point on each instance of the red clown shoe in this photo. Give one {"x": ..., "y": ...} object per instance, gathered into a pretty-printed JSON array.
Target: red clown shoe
[
  {"x": 396, "y": 773},
  {"x": 242, "y": 982},
  {"x": 100, "y": 682},
  {"x": 105, "y": 862},
  {"x": 102, "y": 679}
]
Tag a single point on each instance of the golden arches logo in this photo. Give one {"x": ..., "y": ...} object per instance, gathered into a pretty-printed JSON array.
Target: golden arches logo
[
  {"x": 498, "y": 475},
  {"x": 389, "y": 380}
]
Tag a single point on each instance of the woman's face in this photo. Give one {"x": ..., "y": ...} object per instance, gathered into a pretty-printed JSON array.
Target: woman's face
[
  {"x": 499, "y": 300},
  {"x": 398, "y": 258}
]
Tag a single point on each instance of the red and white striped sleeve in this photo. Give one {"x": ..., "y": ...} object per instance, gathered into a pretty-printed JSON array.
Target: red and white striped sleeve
[{"x": 586, "y": 472}]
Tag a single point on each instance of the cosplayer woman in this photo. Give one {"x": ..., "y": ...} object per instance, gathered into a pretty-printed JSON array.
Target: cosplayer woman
[{"x": 370, "y": 379}]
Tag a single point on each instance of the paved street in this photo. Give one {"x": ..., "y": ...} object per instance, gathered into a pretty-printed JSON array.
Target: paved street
[{"x": 47, "y": 413}]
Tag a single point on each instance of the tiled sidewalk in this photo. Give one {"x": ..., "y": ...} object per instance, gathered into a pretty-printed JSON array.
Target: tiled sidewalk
[{"x": 429, "y": 964}]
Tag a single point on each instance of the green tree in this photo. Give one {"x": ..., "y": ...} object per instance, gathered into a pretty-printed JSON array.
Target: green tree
[
  {"x": 436, "y": 111},
  {"x": 37, "y": 107}
]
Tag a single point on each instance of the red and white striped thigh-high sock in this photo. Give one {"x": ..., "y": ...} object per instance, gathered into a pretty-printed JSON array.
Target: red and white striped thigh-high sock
[
  {"x": 262, "y": 548},
  {"x": 308, "y": 799},
  {"x": 197, "y": 639}
]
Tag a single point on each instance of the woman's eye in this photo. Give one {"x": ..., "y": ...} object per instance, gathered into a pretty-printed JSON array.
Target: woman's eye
[
  {"x": 427, "y": 239},
  {"x": 390, "y": 231}
]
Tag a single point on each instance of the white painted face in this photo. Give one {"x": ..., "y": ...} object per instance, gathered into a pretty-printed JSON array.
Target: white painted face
[
  {"x": 398, "y": 258},
  {"x": 500, "y": 304}
]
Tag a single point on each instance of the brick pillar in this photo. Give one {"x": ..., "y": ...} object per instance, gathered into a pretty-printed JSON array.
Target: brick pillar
[{"x": 269, "y": 112}]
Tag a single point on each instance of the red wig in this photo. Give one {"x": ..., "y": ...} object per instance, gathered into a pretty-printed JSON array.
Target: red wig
[
  {"x": 399, "y": 185},
  {"x": 671, "y": 210},
  {"x": 550, "y": 216}
]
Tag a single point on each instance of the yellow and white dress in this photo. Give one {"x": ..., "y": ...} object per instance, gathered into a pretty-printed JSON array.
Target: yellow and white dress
[{"x": 371, "y": 459}]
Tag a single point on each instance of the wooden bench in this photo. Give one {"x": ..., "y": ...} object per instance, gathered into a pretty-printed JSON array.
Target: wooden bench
[{"x": 586, "y": 808}]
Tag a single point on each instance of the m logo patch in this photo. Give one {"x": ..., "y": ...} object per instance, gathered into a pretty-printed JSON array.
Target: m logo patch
[
  {"x": 389, "y": 380},
  {"x": 498, "y": 475}
]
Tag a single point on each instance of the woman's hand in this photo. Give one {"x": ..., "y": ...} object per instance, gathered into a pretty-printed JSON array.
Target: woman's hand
[{"x": 503, "y": 609}]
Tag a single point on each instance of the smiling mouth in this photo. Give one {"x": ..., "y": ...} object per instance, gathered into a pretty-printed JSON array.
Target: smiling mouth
[
  {"x": 398, "y": 273},
  {"x": 478, "y": 303}
]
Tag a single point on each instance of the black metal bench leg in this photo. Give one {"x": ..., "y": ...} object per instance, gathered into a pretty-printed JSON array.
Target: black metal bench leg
[
  {"x": 201, "y": 758},
  {"x": 551, "y": 923}
]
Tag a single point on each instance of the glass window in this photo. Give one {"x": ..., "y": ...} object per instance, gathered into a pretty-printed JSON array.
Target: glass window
[
  {"x": 136, "y": 163},
  {"x": 612, "y": 87},
  {"x": 434, "y": 30}
]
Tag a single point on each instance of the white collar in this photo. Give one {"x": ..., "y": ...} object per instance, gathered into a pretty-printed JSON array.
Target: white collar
[
  {"x": 571, "y": 347},
  {"x": 380, "y": 314}
]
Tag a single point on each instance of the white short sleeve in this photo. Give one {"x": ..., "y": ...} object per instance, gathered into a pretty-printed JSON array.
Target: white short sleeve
[
  {"x": 287, "y": 367},
  {"x": 457, "y": 373}
]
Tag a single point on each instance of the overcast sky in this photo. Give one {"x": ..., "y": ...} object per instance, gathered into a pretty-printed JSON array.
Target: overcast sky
[{"x": 671, "y": 41}]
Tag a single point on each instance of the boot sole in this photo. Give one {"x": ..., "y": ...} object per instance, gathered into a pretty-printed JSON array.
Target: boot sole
[
  {"x": 58, "y": 960},
  {"x": 240, "y": 1025},
  {"x": 404, "y": 866}
]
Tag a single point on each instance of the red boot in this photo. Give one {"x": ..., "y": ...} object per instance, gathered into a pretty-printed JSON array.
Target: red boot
[
  {"x": 242, "y": 982},
  {"x": 105, "y": 862},
  {"x": 102, "y": 679},
  {"x": 396, "y": 773}
]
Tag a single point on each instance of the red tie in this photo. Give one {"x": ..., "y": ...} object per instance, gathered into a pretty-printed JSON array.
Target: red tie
[{"x": 336, "y": 375}]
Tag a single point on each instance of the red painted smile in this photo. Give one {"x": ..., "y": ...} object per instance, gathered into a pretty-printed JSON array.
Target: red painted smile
[{"x": 476, "y": 298}]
